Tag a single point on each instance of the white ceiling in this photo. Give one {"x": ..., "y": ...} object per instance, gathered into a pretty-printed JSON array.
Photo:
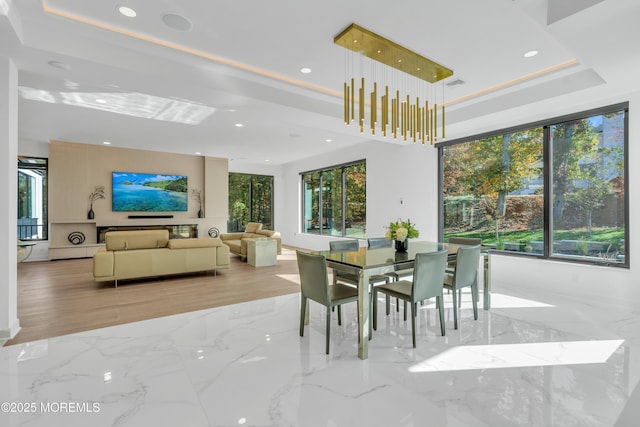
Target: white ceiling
[{"x": 183, "y": 91}]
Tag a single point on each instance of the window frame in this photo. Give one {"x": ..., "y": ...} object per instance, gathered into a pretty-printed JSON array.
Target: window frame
[
  {"x": 343, "y": 167},
  {"x": 547, "y": 172},
  {"x": 251, "y": 199},
  {"x": 44, "y": 226}
]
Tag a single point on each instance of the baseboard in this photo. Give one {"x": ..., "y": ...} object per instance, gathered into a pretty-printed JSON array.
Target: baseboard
[{"x": 7, "y": 334}]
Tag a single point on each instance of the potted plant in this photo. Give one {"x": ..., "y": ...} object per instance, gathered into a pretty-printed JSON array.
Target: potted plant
[
  {"x": 401, "y": 232},
  {"x": 96, "y": 194}
]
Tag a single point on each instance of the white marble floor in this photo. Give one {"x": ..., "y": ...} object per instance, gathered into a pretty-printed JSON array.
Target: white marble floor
[{"x": 526, "y": 362}]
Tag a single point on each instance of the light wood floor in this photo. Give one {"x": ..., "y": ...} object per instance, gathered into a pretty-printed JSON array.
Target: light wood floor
[{"x": 60, "y": 297}]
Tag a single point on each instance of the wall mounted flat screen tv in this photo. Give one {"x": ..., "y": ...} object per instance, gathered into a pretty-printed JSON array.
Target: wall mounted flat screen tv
[{"x": 147, "y": 192}]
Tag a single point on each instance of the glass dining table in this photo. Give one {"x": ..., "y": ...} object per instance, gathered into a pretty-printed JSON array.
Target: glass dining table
[{"x": 367, "y": 262}]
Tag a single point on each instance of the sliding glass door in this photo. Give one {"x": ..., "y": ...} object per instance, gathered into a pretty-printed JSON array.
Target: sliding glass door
[{"x": 250, "y": 200}]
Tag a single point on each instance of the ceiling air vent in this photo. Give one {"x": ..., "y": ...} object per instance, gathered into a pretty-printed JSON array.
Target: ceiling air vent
[{"x": 456, "y": 83}]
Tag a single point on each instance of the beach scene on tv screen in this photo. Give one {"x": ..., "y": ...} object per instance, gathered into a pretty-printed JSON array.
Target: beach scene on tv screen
[{"x": 143, "y": 192}]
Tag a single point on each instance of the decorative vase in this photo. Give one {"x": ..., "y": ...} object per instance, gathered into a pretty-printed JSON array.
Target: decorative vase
[
  {"x": 401, "y": 256},
  {"x": 200, "y": 214},
  {"x": 90, "y": 214},
  {"x": 402, "y": 245}
]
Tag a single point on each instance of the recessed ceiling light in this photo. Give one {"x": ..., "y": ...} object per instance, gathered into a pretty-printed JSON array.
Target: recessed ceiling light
[
  {"x": 328, "y": 140},
  {"x": 101, "y": 101},
  {"x": 530, "y": 53},
  {"x": 239, "y": 125},
  {"x": 267, "y": 160},
  {"x": 305, "y": 70},
  {"x": 106, "y": 143},
  {"x": 198, "y": 153},
  {"x": 127, "y": 11},
  {"x": 177, "y": 22}
]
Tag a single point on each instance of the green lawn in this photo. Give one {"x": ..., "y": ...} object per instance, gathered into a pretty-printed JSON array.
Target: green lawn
[{"x": 612, "y": 236}]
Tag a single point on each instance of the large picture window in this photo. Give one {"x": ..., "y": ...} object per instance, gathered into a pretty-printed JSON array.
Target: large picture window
[
  {"x": 250, "y": 200},
  {"x": 32, "y": 199},
  {"x": 555, "y": 189},
  {"x": 334, "y": 200}
]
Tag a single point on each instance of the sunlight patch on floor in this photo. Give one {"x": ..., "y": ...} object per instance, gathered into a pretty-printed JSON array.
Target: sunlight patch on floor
[
  {"x": 294, "y": 278},
  {"x": 497, "y": 301},
  {"x": 519, "y": 355},
  {"x": 508, "y": 301}
]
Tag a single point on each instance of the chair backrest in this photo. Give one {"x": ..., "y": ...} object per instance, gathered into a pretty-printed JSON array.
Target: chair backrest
[
  {"x": 465, "y": 240},
  {"x": 344, "y": 245},
  {"x": 379, "y": 242},
  {"x": 428, "y": 274},
  {"x": 466, "y": 270},
  {"x": 314, "y": 280}
]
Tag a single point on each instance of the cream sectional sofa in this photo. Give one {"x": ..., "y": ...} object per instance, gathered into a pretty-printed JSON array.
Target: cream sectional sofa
[
  {"x": 237, "y": 242},
  {"x": 147, "y": 253}
]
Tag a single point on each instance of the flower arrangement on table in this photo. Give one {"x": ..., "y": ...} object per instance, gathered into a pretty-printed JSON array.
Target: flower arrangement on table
[{"x": 401, "y": 230}]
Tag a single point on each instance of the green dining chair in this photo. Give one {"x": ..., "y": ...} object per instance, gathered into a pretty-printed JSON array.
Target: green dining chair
[
  {"x": 465, "y": 274},
  {"x": 352, "y": 279},
  {"x": 378, "y": 242},
  {"x": 314, "y": 283},
  {"x": 394, "y": 275},
  {"x": 470, "y": 241},
  {"x": 382, "y": 242},
  {"x": 427, "y": 282},
  {"x": 346, "y": 278},
  {"x": 344, "y": 246}
]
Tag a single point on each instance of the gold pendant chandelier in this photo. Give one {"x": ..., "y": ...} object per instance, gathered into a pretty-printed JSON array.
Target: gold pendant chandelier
[{"x": 395, "y": 114}]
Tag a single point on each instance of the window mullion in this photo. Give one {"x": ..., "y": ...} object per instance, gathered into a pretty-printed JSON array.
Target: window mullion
[{"x": 547, "y": 156}]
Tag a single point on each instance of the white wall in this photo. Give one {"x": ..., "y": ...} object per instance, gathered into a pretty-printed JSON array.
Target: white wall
[
  {"x": 395, "y": 172},
  {"x": 32, "y": 148}
]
